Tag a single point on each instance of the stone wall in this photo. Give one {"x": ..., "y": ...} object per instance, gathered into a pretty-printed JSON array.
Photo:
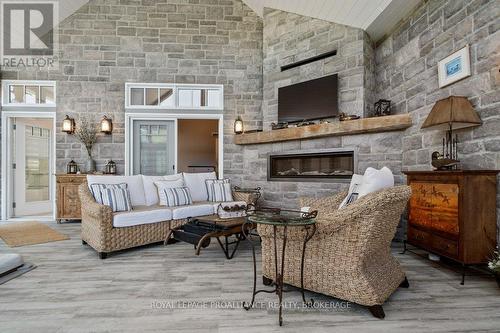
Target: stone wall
[
  {"x": 406, "y": 73},
  {"x": 288, "y": 38},
  {"x": 107, "y": 43}
]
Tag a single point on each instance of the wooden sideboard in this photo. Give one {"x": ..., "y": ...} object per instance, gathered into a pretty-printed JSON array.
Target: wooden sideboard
[
  {"x": 68, "y": 201},
  {"x": 453, "y": 213}
]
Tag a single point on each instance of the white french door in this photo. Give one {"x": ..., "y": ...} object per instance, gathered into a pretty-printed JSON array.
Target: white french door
[
  {"x": 30, "y": 161},
  {"x": 154, "y": 144}
]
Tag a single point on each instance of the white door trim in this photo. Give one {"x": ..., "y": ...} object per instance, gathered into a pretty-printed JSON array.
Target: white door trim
[
  {"x": 130, "y": 117},
  {"x": 6, "y": 170}
]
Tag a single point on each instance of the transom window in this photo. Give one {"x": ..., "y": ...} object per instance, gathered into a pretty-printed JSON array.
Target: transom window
[
  {"x": 174, "y": 96},
  {"x": 19, "y": 93}
]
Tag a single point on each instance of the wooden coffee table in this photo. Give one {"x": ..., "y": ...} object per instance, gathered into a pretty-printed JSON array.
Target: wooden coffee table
[{"x": 200, "y": 230}]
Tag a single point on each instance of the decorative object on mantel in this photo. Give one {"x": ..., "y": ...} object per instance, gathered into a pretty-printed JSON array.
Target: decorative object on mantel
[
  {"x": 451, "y": 113},
  {"x": 337, "y": 128},
  {"x": 68, "y": 125},
  {"x": 305, "y": 123},
  {"x": 279, "y": 125},
  {"x": 345, "y": 117},
  {"x": 87, "y": 134},
  {"x": 238, "y": 125},
  {"x": 72, "y": 168},
  {"x": 454, "y": 67},
  {"x": 110, "y": 168},
  {"x": 382, "y": 107},
  {"x": 106, "y": 125}
]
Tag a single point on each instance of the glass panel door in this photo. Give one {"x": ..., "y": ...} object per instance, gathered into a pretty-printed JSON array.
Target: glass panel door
[
  {"x": 32, "y": 166},
  {"x": 154, "y": 145}
]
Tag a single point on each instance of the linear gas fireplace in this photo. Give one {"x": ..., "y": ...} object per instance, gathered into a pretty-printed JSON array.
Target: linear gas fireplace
[{"x": 318, "y": 165}]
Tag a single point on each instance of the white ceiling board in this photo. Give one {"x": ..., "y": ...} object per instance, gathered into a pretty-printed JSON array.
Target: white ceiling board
[
  {"x": 377, "y": 17},
  {"x": 390, "y": 17}
]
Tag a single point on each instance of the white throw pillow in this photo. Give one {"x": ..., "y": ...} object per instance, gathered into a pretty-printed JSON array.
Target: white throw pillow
[
  {"x": 134, "y": 183},
  {"x": 151, "y": 190},
  {"x": 195, "y": 182},
  {"x": 95, "y": 189},
  {"x": 353, "y": 193},
  {"x": 376, "y": 180},
  {"x": 177, "y": 196},
  {"x": 219, "y": 190},
  {"x": 117, "y": 198},
  {"x": 161, "y": 185}
]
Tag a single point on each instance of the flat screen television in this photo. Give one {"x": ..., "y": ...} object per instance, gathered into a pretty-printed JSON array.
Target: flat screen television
[{"x": 310, "y": 100}]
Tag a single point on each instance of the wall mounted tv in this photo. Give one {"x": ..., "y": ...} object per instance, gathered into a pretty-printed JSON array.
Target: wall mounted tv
[{"x": 310, "y": 100}]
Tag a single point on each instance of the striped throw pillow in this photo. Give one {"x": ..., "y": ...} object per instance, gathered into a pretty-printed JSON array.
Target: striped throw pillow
[
  {"x": 116, "y": 198},
  {"x": 95, "y": 189},
  {"x": 219, "y": 190},
  {"x": 177, "y": 196}
]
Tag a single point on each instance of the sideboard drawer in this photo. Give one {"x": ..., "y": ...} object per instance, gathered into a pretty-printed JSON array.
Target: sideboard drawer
[
  {"x": 419, "y": 237},
  {"x": 445, "y": 246}
]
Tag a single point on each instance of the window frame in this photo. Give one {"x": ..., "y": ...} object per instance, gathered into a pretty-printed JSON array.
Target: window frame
[
  {"x": 6, "y": 84},
  {"x": 175, "y": 87}
]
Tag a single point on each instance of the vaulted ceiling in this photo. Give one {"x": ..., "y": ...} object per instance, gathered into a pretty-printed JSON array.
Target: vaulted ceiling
[{"x": 377, "y": 17}]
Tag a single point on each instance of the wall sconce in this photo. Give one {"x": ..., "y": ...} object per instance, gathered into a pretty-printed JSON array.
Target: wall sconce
[
  {"x": 106, "y": 125},
  {"x": 68, "y": 125},
  {"x": 238, "y": 125}
]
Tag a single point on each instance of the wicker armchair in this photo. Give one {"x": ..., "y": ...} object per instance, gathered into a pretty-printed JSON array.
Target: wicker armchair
[{"x": 349, "y": 257}]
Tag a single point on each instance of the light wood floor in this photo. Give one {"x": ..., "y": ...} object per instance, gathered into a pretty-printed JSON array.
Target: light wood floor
[{"x": 73, "y": 291}]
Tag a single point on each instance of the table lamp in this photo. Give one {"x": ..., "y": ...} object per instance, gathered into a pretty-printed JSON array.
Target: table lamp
[{"x": 451, "y": 113}]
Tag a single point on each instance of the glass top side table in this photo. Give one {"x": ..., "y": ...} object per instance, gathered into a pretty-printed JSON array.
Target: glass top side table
[{"x": 284, "y": 219}]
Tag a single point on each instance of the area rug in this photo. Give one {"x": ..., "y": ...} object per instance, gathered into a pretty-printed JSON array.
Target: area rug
[{"x": 29, "y": 233}]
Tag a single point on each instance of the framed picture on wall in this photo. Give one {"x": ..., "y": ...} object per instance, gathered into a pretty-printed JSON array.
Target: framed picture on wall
[{"x": 454, "y": 67}]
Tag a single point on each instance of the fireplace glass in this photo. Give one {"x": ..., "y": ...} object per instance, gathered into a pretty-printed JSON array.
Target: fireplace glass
[{"x": 311, "y": 166}]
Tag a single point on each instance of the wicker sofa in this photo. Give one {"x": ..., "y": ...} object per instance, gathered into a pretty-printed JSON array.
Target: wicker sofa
[
  {"x": 147, "y": 223},
  {"x": 349, "y": 257}
]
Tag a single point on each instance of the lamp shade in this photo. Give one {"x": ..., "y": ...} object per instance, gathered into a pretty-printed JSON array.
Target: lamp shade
[{"x": 454, "y": 112}]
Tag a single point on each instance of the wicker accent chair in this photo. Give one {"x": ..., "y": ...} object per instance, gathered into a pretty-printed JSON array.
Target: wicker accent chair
[
  {"x": 99, "y": 233},
  {"x": 349, "y": 256}
]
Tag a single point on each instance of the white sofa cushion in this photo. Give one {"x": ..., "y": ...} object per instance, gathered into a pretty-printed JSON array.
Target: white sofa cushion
[
  {"x": 353, "y": 193},
  {"x": 376, "y": 180},
  {"x": 141, "y": 215},
  {"x": 196, "y": 184},
  {"x": 134, "y": 183},
  {"x": 194, "y": 210}
]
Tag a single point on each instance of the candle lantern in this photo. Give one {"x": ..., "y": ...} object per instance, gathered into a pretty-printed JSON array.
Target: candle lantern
[
  {"x": 72, "y": 168},
  {"x": 111, "y": 168}
]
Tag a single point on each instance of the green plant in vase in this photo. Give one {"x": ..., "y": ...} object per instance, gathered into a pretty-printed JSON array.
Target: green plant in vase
[
  {"x": 494, "y": 265},
  {"x": 86, "y": 132}
]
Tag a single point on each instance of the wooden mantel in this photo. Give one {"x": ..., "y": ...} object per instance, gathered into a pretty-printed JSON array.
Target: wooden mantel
[{"x": 337, "y": 128}]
